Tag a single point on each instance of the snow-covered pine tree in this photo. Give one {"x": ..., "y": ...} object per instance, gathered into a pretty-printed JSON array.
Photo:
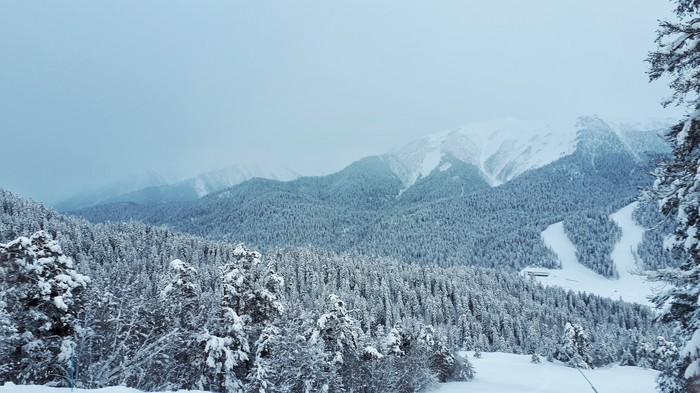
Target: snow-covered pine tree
[
  {"x": 677, "y": 188},
  {"x": 250, "y": 303},
  {"x": 664, "y": 355},
  {"x": 463, "y": 370},
  {"x": 40, "y": 292},
  {"x": 8, "y": 336},
  {"x": 295, "y": 363},
  {"x": 573, "y": 347},
  {"x": 181, "y": 295},
  {"x": 339, "y": 333}
]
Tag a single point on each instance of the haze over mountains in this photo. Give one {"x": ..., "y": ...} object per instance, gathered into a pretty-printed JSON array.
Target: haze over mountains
[
  {"x": 480, "y": 195},
  {"x": 500, "y": 149},
  {"x": 154, "y": 188}
]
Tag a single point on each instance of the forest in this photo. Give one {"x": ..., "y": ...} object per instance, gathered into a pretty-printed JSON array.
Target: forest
[{"x": 135, "y": 300}]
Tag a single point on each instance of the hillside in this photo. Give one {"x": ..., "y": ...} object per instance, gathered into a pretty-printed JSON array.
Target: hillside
[
  {"x": 460, "y": 303},
  {"x": 449, "y": 215},
  {"x": 154, "y": 188}
]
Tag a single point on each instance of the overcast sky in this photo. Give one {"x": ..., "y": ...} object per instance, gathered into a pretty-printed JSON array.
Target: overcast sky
[{"x": 92, "y": 91}]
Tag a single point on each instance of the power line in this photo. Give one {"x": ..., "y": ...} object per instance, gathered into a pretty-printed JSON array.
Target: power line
[{"x": 589, "y": 382}]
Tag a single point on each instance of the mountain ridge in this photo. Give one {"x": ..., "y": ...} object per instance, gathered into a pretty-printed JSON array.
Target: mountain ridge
[
  {"x": 499, "y": 149},
  {"x": 451, "y": 216}
]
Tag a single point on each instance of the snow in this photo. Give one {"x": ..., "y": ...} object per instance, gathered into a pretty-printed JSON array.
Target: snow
[
  {"x": 9, "y": 387},
  {"x": 502, "y": 149},
  {"x": 509, "y": 373},
  {"x": 59, "y": 303},
  {"x": 631, "y": 286},
  {"x": 200, "y": 188},
  {"x": 445, "y": 167},
  {"x": 495, "y": 373}
]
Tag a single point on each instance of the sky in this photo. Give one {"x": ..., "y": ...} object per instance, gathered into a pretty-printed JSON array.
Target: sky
[{"x": 95, "y": 91}]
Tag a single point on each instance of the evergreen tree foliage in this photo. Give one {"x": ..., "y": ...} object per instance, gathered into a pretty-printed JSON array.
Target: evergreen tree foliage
[
  {"x": 40, "y": 299},
  {"x": 651, "y": 252},
  {"x": 137, "y": 330},
  {"x": 594, "y": 234},
  {"x": 677, "y": 188},
  {"x": 665, "y": 354},
  {"x": 574, "y": 347}
]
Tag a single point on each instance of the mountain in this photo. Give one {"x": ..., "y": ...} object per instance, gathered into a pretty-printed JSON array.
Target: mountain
[
  {"x": 449, "y": 214},
  {"x": 106, "y": 194},
  {"x": 500, "y": 149},
  {"x": 154, "y": 188},
  {"x": 504, "y": 149}
]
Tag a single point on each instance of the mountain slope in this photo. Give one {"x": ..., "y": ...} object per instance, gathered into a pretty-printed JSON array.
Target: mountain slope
[
  {"x": 451, "y": 216},
  {"x": 156, "y": 189},
  {"x": 501, "y": 149}
]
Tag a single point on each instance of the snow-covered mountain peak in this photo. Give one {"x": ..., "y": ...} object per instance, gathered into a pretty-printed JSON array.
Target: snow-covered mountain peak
[
  {"x": 502, "y": 149},
  {"x": 209, "y": 182},
  {"x": 155, "y": 187}
]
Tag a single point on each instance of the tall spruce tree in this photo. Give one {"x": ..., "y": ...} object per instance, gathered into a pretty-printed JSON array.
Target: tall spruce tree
[
  {"x": 40, "y": 297},
  {"x": 677, "y": 188}
]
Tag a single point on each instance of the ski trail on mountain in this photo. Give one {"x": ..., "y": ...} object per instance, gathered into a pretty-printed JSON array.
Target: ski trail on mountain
[
  {"x": 625, "y": 251},
  {"x": 631, "y": 286}
]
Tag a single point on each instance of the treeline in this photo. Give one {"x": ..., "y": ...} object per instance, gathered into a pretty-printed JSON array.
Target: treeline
[
  {"x": 651, "y": 251},
  {"x": 594, "y": 234}
]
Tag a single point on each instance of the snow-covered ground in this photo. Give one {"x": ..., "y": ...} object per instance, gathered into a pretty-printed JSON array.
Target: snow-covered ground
[
  {"x": 508, "y": 373},
  {"x": 630, "y": 287},
  {"x": 10, "y": 388},
  {"x": 495, "y": 373}
]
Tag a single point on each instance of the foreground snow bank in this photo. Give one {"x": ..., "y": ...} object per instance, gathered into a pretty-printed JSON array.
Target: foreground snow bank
[
  {"x": 11, "y": 388},
  {"x": 508, "y": 373},
  {"x": 495, "y": 373}
]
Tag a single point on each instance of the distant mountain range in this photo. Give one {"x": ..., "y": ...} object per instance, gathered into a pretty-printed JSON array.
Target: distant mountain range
[
  {"x": 504, "y": 149},
  {"x": 496, "y": 151},
  {"x": 479, "y": 195},
  {"x": 154, "y": 188}
]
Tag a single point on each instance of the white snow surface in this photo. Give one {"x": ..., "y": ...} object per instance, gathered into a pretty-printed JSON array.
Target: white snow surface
[
  {"x": 9, "y": 387},
  {"x": 509, "y": 373},
  {"x": 495, "y": 373},
  {"x": 209, "y": 182},
  {"x": 502, "y": 149},
  {"x": 631, "y": 286}
]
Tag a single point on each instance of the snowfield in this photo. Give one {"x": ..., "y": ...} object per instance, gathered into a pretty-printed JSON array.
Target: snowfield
[
  {"x": 631, "y": 286},
  {"x": 495, "y": 373},
  {"x": 509, "y": 373}
]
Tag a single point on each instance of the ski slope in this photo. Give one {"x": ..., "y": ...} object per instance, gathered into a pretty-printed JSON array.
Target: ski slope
[
  {"x": 509, "y": 373},
  {"x": 631, "y": 286}
]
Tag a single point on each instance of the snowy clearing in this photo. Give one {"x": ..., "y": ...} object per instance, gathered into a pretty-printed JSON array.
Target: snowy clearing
[
  {"x": 508, "y": 373},
  {"x": 630, "y": 287}
]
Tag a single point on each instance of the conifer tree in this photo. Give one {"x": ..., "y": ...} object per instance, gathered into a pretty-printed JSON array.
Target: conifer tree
[
  {"x": 677, "y": 188},
  {"x": 40, "y": 297},
  {"x": 573, "y": 347}
]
